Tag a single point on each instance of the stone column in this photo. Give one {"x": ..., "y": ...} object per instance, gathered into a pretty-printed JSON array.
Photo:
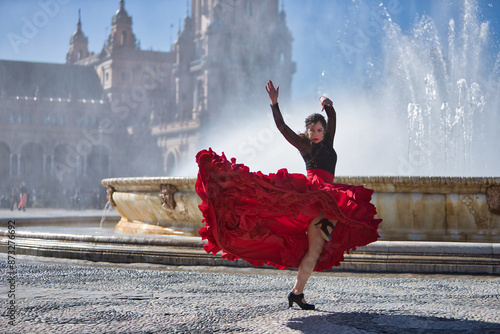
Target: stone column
[
  {"x": 77, "y": 165},
  {"x": 44, "y": 165},
  {"x": 109, "y": 164},
  {"x": 84, "y": 166},
  {"x": 10, "y": 164}
]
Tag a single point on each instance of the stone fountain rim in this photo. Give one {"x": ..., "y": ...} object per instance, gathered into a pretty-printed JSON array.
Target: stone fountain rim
[
  {"x": 164, "y": 179},
  {"x": 426, "y": 184},
  {"x": 126, "y": 183}
]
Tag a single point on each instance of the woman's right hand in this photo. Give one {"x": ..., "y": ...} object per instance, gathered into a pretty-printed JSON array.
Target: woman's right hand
[
  {"x": 325, "y": 102},
  {"x": 273, "y": 92}
]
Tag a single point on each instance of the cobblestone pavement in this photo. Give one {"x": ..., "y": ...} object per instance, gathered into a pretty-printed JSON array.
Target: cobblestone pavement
[{"x": 73, "y": 296}]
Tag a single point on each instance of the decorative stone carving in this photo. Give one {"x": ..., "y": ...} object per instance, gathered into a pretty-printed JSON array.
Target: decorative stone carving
[
  {"x": 493, "y": 198},
  {"x": 480, "y": 221},
  {"x": 109, "y": 195},
  {"x": 167, "y": 196}
]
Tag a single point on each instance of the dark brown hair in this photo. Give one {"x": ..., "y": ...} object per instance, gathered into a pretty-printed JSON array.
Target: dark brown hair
[{"x": 311, "y": 120}]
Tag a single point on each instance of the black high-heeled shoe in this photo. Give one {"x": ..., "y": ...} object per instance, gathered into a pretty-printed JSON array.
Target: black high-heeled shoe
[
  {"x": 326, "y": 228},
  {"x": 293, "y": 298}
]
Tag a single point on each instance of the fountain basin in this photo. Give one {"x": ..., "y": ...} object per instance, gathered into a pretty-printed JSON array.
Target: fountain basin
[
  {"x": 155, "y": 205},
  {"x": 459, "y": 209}
]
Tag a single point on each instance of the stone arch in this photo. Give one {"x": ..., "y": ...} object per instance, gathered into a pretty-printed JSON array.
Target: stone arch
[
  {"x": 5, "y": 161},
  {"x": 171, "y": 161},
  {"x": 31, "y": 162}
]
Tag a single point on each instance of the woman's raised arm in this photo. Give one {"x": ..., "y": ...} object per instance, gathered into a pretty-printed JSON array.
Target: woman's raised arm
[{"x": 285, "y": 130}]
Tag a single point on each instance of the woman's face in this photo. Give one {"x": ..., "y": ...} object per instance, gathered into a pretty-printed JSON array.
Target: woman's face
[{"x": 316, "y": 132}]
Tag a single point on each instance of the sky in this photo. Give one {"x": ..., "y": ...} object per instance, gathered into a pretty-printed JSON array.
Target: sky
[
  {"x": 341, "y": 49},
  {"x": 40, "y": 30}
]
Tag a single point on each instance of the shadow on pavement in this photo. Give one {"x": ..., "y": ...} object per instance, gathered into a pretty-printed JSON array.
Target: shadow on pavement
[{"x": 360, "y": 322}]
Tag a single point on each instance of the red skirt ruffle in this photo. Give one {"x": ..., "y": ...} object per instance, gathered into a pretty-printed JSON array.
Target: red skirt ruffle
[{"x": 263, "y": 219}]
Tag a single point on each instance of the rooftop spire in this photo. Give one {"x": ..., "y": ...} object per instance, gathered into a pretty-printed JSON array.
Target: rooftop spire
[{"x": 79, "y": 24}]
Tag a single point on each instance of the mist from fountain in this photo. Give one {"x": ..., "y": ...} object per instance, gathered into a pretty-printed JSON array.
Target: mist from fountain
[
  {"x": 418, "y": 100},
  {"x": 448, "y": 84}
]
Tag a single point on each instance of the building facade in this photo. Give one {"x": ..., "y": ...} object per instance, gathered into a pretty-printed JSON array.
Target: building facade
[
  {"x": 129, "y": 112},
  {"x": 55, "y": 130},
  {"x": 225, "y": 53}
]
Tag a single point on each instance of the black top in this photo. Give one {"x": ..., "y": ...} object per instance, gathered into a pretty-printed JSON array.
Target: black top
[{"x": 321, "y": 155}]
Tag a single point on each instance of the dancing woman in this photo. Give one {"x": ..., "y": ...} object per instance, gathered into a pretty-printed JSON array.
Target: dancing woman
[
  {"x": 286, "y": 220},
  {"x": 316, "y": 148}
]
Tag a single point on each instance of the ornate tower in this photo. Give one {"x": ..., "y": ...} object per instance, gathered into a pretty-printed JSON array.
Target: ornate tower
[
  {"x": 281, "y": 51},
  {"x": 121, "y": 36},
  {"x": 78, "y": 44},
  {"x": 238, "y": 46},
  {"x": 186, "y": 104}
]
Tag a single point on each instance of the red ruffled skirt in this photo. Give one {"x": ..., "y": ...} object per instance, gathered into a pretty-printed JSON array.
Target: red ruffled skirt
[{"x": 263, "y": 219}]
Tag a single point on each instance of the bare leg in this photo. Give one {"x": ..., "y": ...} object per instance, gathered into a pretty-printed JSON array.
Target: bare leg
[{"x": 306, "y": 267}]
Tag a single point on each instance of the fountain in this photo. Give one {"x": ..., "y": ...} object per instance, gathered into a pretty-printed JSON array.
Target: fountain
[
  {"x": 448, "y": 84},
  {"x": 431, "y": 224},
  {"x": 413, "y": 208},
  {"x": 434, "y": 82},
  {"x": 158, "y": 205}
]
